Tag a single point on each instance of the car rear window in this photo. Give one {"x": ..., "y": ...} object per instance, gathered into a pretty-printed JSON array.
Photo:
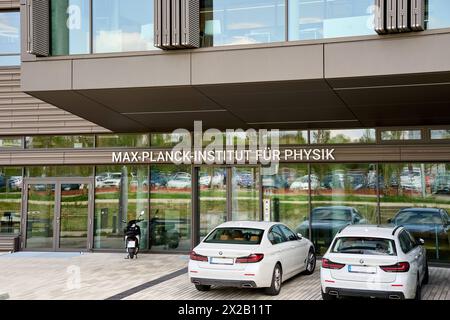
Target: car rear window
[
  {"x": 418, "y": 217},
  {"x": 364, "y": 245},
  {"x": 235, "y": 236}
]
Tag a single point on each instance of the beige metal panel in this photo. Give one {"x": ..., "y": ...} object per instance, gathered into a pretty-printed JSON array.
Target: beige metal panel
[
  {"x": 257, "y": 65},
  {"x": 88, "y": 157},
  {"x": 400, "y": 54},
  {"x": 5, "y": 158},
  {"x": 171, "y": 69},
  {"x": 425, "y": 153},
  {"x": 53, "y": 74},
  {"x": 9, "y": 4},
  {"x": 37, "y": 158}
]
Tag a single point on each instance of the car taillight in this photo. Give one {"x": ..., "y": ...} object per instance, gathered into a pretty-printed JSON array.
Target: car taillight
[
  {"x": 196, "y": 257},
  {"x": 398, "y": 267},
  {"x": 327, "y": 264},
  {"x": 253, "y": 258}
]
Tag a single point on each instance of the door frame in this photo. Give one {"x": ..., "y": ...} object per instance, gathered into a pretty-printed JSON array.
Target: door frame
[{"x": 57, "y": 212}]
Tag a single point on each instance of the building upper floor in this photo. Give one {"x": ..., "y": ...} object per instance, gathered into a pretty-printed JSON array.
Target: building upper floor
[{"x": 260, "y": 63}]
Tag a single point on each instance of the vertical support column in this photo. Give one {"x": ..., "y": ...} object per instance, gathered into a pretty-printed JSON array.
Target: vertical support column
[
  {"x": 158, "y": 23},
  {"x": 59, "y": 30},
  {"x": 195, "y": 218}
]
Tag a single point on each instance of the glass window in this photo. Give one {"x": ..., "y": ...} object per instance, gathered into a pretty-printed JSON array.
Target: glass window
[
  {"x": 343, "y": 194},
  {"x": 291, "y": 236},
  {"x": 343, "y": 136},
  {"x": 235, "y": 236},
  {"x": 370, "y": 246},
  {"x": 330, "y": 19},
  {"x": 286, "y": 187},
  {"x": 9, "y": 38},
  {"x": 167, "y": 140},
  {"x": 170, "y": 202},
  {"x": 11, "y": 142},
  {"x": 121, "y": 194},
  {"x": 233, "y": 22},
  {"x": 392, "y": 135},
  {"x": 122, "y": 25},
  {"x": 59, "y": 171},
  {"x": 122, "y": 140},
  {"x": 70, "y": 27},
  {"x": 440, "y": 134},
  {"x": 292, "y": 137},
  {"x": 10, "y": 200},
  {"x": 438, "y": 14},
  {"x": 276, "y": 236},
  {"x": 413, "y": 195},
  {"x": 51, "y": 142},
  {"x": 405, "y": 242}
]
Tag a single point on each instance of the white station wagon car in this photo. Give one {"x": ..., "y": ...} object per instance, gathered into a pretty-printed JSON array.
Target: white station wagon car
[
  {"x": 250, "y": 255},
  {"x": 376, "y": 262}
]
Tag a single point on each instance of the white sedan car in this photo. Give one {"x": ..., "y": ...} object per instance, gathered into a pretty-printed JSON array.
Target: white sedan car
[
  {"x": 376, "y": 262},
  {"x": 250, "y": 255}
]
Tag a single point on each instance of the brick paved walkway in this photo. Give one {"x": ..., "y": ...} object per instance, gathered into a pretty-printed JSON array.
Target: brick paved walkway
[{"x": 27, "y": 275}]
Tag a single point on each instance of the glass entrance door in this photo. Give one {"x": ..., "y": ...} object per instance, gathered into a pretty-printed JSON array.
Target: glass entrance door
[
  {"x": 58, "y": 214},
  {"x": 226, "y": 194}
]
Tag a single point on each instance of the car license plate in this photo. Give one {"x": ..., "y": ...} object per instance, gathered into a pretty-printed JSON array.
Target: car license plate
[
  {"x": 131, "y": 244},
  {"x": 362, "y": 269},
  {"x": 228, "y": 261}
]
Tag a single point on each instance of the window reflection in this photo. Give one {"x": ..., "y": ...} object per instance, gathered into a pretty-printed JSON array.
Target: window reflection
[
  {"x": 440, "y": 134},
  {"x": 286, "y": 187},
  {"x": 437, "y": 14},
  {"x": 121, "y": 194},
  {"x": 122, "y": 140},
  {"x": 10, "y": 195},
  {"x": 70, "y": 27},
  {"x": 11, "y": 142},
  {"x": 122, "y": 25},
  {"x": 232, "y": 22},
  {"x": 392, "y": 135},
  {"x": 417, "y": 196},
  {"x": 343, "y": 194},
  {"x": 170, "y": 203},
  {"x": 9, "y": 38},
  {"x": 343, "y": 136},
  {"x": 319, "y": 19},
  {"x": 48, "y": 142}
]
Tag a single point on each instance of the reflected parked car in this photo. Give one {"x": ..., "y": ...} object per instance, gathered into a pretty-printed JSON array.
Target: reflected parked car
[
  {"x": 274, "y": 182},
  {"x": 302, "y": 183},
  {"x": 430, "y": 224},
  {"x": 204, "y": 179},
  {"x": 70, "y": 186},
  {"x": 164, "y": 232},
  {"x": 441, "y": 185},
  {"x": 327, "y": 221},
  {"x": 245, "y": 179},
  {"x": 15, "y": 182},
  {"x": 411, "y": 179},
  {"x": 218, "y": 180},
  {"x": 112, "y": 180},
  {"x": 180, "y": 180}
]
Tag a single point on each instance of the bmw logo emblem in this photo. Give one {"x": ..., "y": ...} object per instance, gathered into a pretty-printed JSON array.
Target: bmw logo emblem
[
  {"x": 220, "y": 253},
  {"x": 361, "y": 261}
]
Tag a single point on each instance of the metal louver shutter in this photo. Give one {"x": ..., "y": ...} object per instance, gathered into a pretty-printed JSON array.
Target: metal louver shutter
[
  {"x": 190, "y": 35},
  {"x": 391, "y": 16},
  {"x": 176, "y": 23},
  {"x": 418, "y": 15},
  {"x": 38, "y": 16},
  {"x": 403, "y": 16},
  {"x": 380, "y": 16},
  {"x": 158, "y": 23}
]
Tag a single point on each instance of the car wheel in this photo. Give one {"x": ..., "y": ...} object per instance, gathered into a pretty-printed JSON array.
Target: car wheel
[
  {"x": 311, "y": 263},
  {"x": 418, "y": 295},
  {"x": 426, "y": 277},
  {"x": 327, "y": 297},
  {"x": 277, "y": 279},
  {"x": 202, "y": 287}
]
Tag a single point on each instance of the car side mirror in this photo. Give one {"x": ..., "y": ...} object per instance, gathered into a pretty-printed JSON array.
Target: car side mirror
[
  {"x": 299, "y": 236},
  {"x": 420, "y": 242}
]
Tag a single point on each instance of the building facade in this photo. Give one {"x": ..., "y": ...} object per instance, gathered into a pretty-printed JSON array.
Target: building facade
[{"x": 84, "y": 79}]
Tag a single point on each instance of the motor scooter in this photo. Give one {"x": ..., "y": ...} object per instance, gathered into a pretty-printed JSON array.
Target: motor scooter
[{"x": 132, "y": 237}]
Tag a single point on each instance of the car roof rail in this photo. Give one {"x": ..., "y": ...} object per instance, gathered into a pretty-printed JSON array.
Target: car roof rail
[{"x": 396, "y": 228}]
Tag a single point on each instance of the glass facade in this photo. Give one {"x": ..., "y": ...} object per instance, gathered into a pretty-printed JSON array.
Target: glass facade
[
  {"x": 11, "y": 142},
  {"x": 233, "y": 22},
  {"x": 122, "y": 25},
  {"x": 70, "y": 27},
  {"x": 309, "y": 20},
  {"x": 122, "y": 140},
  {"x": 438, "y": 14},
  {"x": 9, "y": 38},
  {"x": 393, "y": 135},
  {"x": 440, "y": 134},
  {"x": 51, "y": 142},
  {"x": 11, "y": 184},
  {"x": 170, "y": 204},
  {"x": 343, "y": 136},
  {"x": 121, "y": 195}
]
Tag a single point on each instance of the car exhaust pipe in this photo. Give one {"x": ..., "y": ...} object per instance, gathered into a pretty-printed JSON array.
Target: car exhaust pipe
[
  {"x": 394, "y": 297},
  {"x": 247, "y": 285},
  {"x": 196, "y": 282},
  {"x": 333, "y": 293}
]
